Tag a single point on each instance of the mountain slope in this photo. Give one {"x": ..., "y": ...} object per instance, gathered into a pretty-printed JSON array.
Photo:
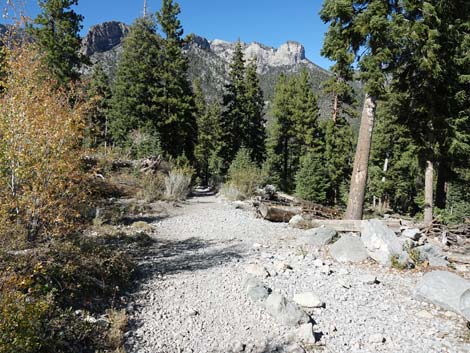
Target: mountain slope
[{"x": 209, "y": 60}]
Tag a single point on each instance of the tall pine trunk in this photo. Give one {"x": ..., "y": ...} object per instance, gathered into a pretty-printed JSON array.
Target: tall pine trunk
[
  {"x": 357, "y": 189},
  {"x": 428, "y": 192}
]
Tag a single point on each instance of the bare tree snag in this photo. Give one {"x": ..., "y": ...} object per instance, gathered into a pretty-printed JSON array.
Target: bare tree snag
[
  {"x": 357, "y": 189},
  {"x": 428, "y": 192}
]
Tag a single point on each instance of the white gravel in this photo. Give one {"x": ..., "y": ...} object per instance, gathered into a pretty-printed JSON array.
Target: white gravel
[{"x": 192, "y": 297}]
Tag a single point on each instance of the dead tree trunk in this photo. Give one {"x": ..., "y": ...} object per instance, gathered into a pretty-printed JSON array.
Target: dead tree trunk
[
  {"x": 428, "y": 192},
  {"x": 357, "y": 189}
]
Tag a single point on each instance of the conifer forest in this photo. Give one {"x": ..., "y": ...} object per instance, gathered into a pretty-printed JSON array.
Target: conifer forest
[{"x": 146, "y": 173}]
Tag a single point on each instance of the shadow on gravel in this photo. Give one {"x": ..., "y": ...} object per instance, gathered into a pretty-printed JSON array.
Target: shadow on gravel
[{"x": 169, "y": 257}]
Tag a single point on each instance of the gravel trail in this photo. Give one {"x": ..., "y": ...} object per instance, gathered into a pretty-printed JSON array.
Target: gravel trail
[{"x": 192, "y": 297}]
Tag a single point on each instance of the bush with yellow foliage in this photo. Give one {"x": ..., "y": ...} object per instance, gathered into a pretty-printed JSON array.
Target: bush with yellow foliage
[{"x": 41, "y": 181}]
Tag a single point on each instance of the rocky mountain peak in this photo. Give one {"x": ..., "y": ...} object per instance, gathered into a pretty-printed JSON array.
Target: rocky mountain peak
[
  {"x": 288, "y": 54},
  {"x": 104, "y": 37}
]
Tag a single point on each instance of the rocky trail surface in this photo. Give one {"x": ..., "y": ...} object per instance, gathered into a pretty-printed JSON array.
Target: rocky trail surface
[{"x": 220, "y": 280}]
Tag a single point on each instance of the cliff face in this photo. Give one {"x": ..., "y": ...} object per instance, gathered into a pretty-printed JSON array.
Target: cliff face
[
  {"x": 209, "y": 60},
  {"x": 104, "y": 37}
]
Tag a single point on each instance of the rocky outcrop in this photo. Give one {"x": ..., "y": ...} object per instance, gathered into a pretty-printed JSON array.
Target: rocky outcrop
[{"x": 104, "y": 37}]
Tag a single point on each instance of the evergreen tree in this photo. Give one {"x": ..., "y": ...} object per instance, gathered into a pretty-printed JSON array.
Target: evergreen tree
[
  {"x": 178, "y": 131},
  {"x": 57, "y": 32},
  {"x": 99, "y": 94},
  {"x": 395, "y": 181},
  {"x": 295, "y": 130},
  {"x": 137, "y": 84},
  {"x": 254, "y": 132},
  {"x": 233, "y": 114},
  {"x": 432, "y": 56},
  {"x": 208, "y": 134},
  {"x": 312, "y": 181},
  {"x": 338, "y": 157},
  {"x": 280, "y": 134},
  {"x": 361, "y": 30}
]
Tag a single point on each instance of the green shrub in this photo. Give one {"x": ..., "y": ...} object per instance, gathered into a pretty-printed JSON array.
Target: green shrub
[
  {"x": 243, "y": 175},
  {"x": 21, "y": 322}
]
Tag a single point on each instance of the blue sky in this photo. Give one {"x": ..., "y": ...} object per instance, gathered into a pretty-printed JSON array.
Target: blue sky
[{"x": 271, "y": 22}]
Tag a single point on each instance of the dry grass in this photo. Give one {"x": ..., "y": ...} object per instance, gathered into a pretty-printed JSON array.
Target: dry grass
[
  {"x": 177, "y": 185},
  {"x": 117, "y": 326}
]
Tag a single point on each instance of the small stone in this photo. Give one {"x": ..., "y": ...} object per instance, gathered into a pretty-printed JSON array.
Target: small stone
[
  {"x": 282, "y": 267},
  {"x": 343, "y": 272},
  {"x": 424, "y": 314},
  {"x": 300, "y": 222},
  {"x": 305, "y": 334},
  {"x": 257, "y": 270},
  {"x": 284, "y": 311},
  {"x": 308, "y": 300},
  {"x": 326, "y": 270},
  {"x": 368, "y": 279},
  {"x": 237, "y": 347},
  {"x": 377, "y": 338},
  {"x": 344, "y": 284}
]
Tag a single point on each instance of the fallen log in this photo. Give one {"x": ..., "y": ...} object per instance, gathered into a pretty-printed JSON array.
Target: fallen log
[
  {"x": 342, "y": 225},
  {"x": 459, "y": 258},
  {"x": 278, "y": 213}
]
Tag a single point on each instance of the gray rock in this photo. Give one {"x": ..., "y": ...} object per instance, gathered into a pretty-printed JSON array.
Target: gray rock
[
  {"x": 412, "y": 233},
  {"x": 305, "y": 334},
  {"x": 256, "y": 290},
  {"x": 308, "y": 300},
  {"x": 300, "y": 222},
  {"x": 380, "y": 241},
  {"x": 433, "y": 255},
  {"x": 348, "y": 249},
  {"x": 423, "y": 314},
  {"x": 257, "y": 270},
  {"x": 284, "y": 311},
  {"x": 320, "y": 237},
  {"x": 447, "y": 290}
]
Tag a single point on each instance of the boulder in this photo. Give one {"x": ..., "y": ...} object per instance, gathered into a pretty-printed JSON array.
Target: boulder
[
  {"x": 348, "y": 249},
  {"x": 284, "y": 311},
  {"x": 447, "y": 290},
  {"x": 412, "y": 233},
  {"x": 433, "y": 255},
  {"x": 308, "y": 300},
  {"x": 320, "y": 237},
  {"x": 381, "y": 242},
  {"x": 299, "y": 222}
]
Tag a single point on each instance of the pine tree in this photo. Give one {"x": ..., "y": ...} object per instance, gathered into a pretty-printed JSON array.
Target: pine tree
[
  {"x": 361, "y": 30},
  {"x": 338, "y": 157},
  {"x": 395, "y": 180},
  {"x": 312, "y": 182},
  {"x": 254, "y": 132},
  {"x": 295, "y": 130},
  {"x": 57, "y": 32},
  {"x": 178, "y": 131},
  {"x": 208, "y": 134},
  {"x": 280, "y": 134},
  {"x": 233, "y": 114},
  {"x": 137, "y": 84},
  {"x": 431, "y": 55},
  {"x": 99, "y": 94}
]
